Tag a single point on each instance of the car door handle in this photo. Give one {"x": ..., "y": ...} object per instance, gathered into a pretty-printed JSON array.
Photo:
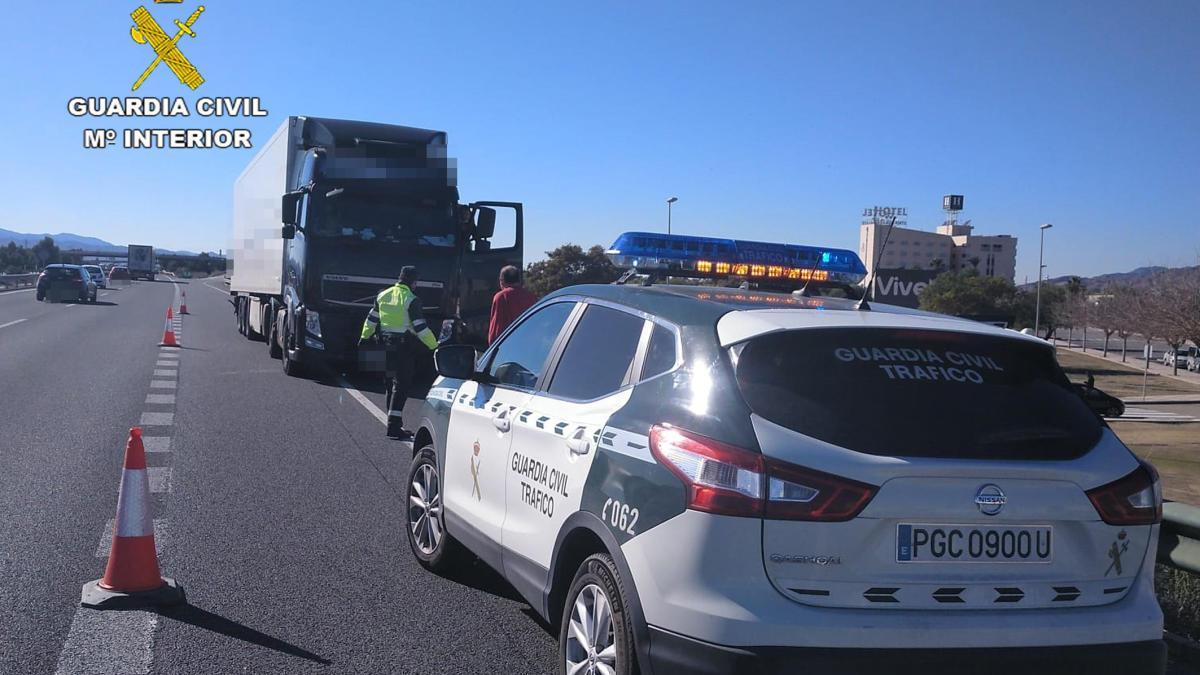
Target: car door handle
[
  {"x": 500, "y": 420},
  {"x": 578, "y": 442}
]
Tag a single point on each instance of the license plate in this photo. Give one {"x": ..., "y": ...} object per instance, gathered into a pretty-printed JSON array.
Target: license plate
[{"x": 917, "y": 542}]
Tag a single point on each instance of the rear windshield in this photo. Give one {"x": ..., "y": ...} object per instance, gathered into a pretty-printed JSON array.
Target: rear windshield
[
  {"x": 62, "y": 273},
  {"x": 910, "y": 393}
]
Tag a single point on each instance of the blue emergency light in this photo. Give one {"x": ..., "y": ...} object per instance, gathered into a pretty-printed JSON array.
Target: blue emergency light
[{"x": 713, "y": 257}]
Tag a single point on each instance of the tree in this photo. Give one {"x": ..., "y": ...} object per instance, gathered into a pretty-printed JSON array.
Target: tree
[
  {"x": 46, "y": 252},
  {"x": 968, "y": 294},
  {"x": 569, "y": 265},
  {"x": 1104, "y": 313}
]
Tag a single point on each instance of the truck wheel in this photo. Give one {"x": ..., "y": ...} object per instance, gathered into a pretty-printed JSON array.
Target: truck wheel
[
  {"x": 291, "y": 368},
  {"x": 239, "y": 315},
  {"x": 431, "y": 544},
  {"x": 273, "y": 337},
  {"x": 596, "y": 633}
]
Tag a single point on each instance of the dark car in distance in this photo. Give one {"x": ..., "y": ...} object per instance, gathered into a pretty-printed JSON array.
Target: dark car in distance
[{"x": 66, "y": 282}]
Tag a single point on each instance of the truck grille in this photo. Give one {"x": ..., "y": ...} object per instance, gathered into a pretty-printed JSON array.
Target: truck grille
[{"x": 357, "y": 291}]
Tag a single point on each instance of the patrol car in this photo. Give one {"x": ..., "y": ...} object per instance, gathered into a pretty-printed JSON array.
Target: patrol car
[{"x": 704, "y": 479}]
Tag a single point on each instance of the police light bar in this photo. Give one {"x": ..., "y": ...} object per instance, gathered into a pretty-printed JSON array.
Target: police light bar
[{"x": 713, "y": 257}]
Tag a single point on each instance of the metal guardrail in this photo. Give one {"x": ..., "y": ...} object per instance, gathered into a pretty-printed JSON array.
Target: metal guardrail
[
  {"x": 1179, "y": 540},
  {"x": 10, "y": 281}
]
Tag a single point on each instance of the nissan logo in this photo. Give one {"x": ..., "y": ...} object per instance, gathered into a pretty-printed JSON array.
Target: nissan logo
[{"x": 990, "y": 499}]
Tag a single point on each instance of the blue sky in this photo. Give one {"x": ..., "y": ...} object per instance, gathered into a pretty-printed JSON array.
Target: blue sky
[{"x": 774, "y": 121}]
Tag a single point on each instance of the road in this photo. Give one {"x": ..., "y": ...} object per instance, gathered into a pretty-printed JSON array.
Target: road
[
  {"x": 280, "y": 509},
  {"x": 278, "y": 505}
]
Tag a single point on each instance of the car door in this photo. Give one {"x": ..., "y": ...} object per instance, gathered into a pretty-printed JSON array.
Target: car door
[
  {"x": 479, "y": 434},
  {"x": 555, "y": 436}
]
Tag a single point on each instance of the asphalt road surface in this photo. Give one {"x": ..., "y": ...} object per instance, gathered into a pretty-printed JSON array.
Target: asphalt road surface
[{"x": 278, "y": 505}]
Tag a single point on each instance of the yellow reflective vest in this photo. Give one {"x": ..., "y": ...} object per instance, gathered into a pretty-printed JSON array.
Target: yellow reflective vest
[{"x": 398, "y": 310}]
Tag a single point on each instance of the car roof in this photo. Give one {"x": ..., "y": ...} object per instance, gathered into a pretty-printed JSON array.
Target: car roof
[
  {"x": 760, "y": 311},
  {"x": 66, "y": 266}
]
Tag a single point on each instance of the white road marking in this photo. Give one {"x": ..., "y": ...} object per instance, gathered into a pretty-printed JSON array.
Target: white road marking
[
  {"x": 1135, "y": 414},
  {"x": 160, "y": 535},
  {"x": 114, "y": 643},
  {"x": 162, "y": 384},
  {"x": 160, "y": 398},
  {"x": 157, "y": 443},
  {"x": 30, "y": 290},
  {"x": 12, "y": 323},
  {"x": 363, "y": 400},
  {"x": 170, "y": 363},
  {"x": 166, "y": 373},
  {"x": 157, "y": 419},
  {"x": 160, "y": 479}
]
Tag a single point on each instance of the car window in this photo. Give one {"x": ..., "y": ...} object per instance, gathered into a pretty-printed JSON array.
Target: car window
[
  {"x": 520, "y": 357},
  {"x": 599, "y": 354},
  {"x": 661, "y": 353},
  {"x": 909, "y": 393}
]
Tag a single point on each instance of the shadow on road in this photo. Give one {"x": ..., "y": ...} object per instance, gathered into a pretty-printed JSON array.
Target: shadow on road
[{"x": 202, "y": 618}]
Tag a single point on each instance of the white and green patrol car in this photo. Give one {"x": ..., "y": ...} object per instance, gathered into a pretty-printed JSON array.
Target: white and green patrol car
[{"x": 713, "y": 480}]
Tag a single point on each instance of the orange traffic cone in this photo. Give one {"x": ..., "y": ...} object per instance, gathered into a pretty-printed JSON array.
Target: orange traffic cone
[
  {"x": 183, "y": 303},
  {"x": 169, "y": 332},
  {"x": 132, "y": 577}
]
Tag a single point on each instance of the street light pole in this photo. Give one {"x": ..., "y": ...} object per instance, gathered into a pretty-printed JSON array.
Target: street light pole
[
  {"x": 670, "y": 201},
  {"x": 1037, "y": 312}
]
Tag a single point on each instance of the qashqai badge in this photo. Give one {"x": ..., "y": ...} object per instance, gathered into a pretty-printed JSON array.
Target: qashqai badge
[{"x": 990, "y": 499}]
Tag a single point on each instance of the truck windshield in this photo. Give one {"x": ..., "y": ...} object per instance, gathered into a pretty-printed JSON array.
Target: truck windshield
[{"x": 369, "y": 216}]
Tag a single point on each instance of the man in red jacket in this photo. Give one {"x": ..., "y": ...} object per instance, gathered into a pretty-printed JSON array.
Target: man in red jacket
[{"x": 508, "y": 302}]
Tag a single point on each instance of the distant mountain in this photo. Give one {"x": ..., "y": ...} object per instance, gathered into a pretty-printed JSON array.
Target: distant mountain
[
  {"x": 1101, "y": 280},
  {"x": 68, "y": 241}
]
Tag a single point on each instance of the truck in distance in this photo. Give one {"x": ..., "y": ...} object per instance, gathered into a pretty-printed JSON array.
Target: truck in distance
[
  {"x": 327, "y": 213},
  {"x": 141, "y": 262}
]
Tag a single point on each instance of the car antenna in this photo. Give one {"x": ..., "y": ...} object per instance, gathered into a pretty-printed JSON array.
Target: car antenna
[{"x": 862, "y": 302}]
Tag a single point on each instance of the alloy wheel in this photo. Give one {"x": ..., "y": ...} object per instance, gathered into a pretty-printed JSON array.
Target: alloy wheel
[
  {"x": 591, "y": 642},
  {"x": 425, "y": 509}
]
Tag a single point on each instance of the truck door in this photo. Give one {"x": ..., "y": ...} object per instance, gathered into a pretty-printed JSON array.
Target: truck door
[
  {"x": 496, "y": 241},
  {"x": 479, "y": 437}
]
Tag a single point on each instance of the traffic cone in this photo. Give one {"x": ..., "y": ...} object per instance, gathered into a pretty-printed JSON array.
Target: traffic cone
[
  {"x": 132, "y": 577},
  {"x": 169, "y": 332},
  {"x": 183, "y": 303}
]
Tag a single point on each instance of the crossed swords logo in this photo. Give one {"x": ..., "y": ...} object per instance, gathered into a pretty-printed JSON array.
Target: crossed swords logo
[
  {"x": 475, "y": 473},
  {"x": 166, "y": 49}
]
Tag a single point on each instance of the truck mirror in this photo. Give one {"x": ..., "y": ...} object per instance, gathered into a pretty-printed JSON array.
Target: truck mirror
[
  {"x": 455, "y": 361},
  {"x": 289, "y": 232},
  {"x": 291, "y": 201},
  {"x": 485, "y": 222}
]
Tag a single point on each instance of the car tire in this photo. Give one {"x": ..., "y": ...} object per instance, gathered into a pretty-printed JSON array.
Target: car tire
[
  {"x": 597, "y": 581},
  {"x": 434, "y": 548},
  {"x": 41, "y": 297}
]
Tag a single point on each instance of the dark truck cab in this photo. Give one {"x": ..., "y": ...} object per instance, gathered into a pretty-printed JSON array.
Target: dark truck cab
[{"x": 363, "y": 201}]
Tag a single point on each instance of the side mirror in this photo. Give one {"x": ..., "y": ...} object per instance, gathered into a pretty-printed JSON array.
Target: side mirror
[
  {"x": 485, "y": 222},
  {"x": 456, "y": 362},
  {"x": 290, "y": 203},
  {"x": 289, "y": 232}
]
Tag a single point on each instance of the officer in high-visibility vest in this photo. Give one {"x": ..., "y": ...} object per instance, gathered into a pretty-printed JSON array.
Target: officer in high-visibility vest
[{"x": 398, "y": 320}]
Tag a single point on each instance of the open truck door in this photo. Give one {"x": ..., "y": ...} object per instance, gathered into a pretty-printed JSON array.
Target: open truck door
[{"x": 492, "y": 238}]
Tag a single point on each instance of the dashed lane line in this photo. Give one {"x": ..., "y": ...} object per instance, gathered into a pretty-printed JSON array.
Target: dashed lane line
[
  {"x": 363, "y": 400},
  {"x": 157, "y": 443},
  {"x": 109, "y": 643},
  {"x": 157, "y": 419},
  {"x": 160, "y": 399},
  {"x": 162, "y": 384}
]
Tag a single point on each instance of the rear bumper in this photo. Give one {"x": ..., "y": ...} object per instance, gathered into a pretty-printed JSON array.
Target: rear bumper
[{"x": 673, "y": 653}]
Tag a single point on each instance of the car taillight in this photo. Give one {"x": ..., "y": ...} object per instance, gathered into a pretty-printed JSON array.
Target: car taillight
[
  {"x": 720, "y": 478},
  {"x": 733, "y": 481},
  {"x": 796, "y": 493},
  {"x": 1135, "y": 499}
]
